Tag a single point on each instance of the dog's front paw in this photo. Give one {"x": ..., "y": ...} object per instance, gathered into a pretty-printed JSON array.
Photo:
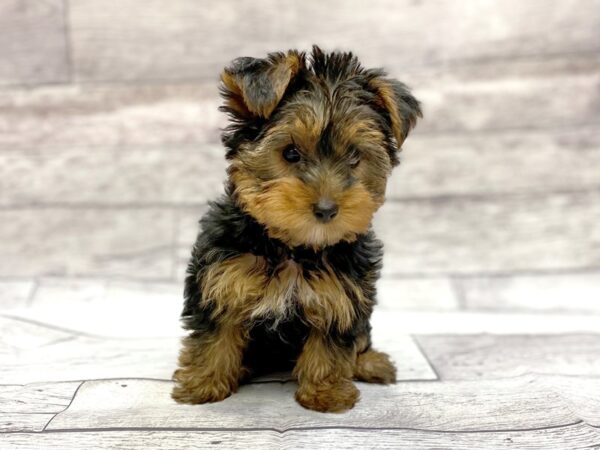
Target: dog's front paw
[
  {"x": 375, "y": 367},
  {"x": 335, "y": 396},
  {"x": 200, "y": 389}
]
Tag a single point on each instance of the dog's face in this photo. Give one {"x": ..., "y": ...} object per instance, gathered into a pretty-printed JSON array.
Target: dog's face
[{"x": 312, "y": 145}]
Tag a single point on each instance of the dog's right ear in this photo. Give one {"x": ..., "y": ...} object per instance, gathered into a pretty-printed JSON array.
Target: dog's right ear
[{"x": 254, "y": 87}]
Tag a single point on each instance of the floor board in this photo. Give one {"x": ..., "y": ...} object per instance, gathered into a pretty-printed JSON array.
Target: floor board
[
  {"x": 498, "y": 405},
  {"x": 578, "y": 435}
]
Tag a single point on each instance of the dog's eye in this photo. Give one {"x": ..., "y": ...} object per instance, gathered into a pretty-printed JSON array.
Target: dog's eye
[
  {"x": 354, "y": 159},
  {"x": 291, "y": 154}
]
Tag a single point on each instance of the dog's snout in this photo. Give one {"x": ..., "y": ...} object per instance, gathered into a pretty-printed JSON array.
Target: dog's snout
[{"x": 325, "y": 210}]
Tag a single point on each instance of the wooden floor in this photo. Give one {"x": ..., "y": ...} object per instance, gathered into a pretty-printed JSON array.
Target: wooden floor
[
  {"x": 490, "y": 299},
  {"x": 82, "y": 366}
]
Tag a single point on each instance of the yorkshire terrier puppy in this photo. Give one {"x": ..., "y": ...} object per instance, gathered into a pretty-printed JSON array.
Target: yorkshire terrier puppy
[{"x": 282, "y": 275}]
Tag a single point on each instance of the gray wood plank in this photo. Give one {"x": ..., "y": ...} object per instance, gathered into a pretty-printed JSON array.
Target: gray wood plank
[
  {"x": 498, "y": 163},
  {"x": 512, "y": 94},
  {"x": 581, "y": 394},
  {"x": 92, "y": 304},
  {"x": 135, "y": 40},
  {"x": 33, "y": 43},
  {"x": 573, "y": 436},
  {"x": 512, "y": 404},
  {"x": 471, "y": 234},
  {"x": 16, "y": 422},
  {"x": 73, "y": 356},
  {"x": 36, "y": 398},
  {"x": 491, "y": 356},
  {"x": 83, "y": 358},
  {"x": 109, "y": 116},
  {"x": 20, "y": 335},
  {"x": 140, "y": 176},
  {"x": 129, "y": 242},
  {"x": 507, "y": 95},
  {"x": 31, "y": 407},
  {"x": 462, "y": 235},
  {"x": 476, "y": 322},
  {"x": 465, "y": 164},
  {"x": 568, "y": 293},
  {"x": 491, "y": 235},
  {"x": 422, "y": 294},
  {"x": 15, "y": 293}
]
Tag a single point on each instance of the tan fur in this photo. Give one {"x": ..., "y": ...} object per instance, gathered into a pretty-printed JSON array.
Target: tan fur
[
  {"x": 324, "y": 374},
  {"x": 374, "y": 367},
  {"x": 240, "y": 289},
  {"x": 343, "y": 146},
  {"x": 282, "y": 69},
  {"x": 210, "y": 365},
  {"x": 284, "y": 207},
  {"x": 388, "y": 101},
  {"x": 325, "y": 300}
]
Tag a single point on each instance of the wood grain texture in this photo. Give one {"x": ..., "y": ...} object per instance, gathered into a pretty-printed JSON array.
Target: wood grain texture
[
  {"x": 422, "y": 294},
  {"x": 497, "y": 163},
  {"x": 16, "y": 422},
  {"x": 36, "y": 398},
  {"x": 19, "y": 335},
  {"x": 513, "y": 94},
  {"x": 33, "y": 42},
  {"x": 31, "y": 407},
  {"x": 15, "y": 293},
  {"x": 135, "y": 40},
  {"x": 92, "y": 304},
  {"x": 432, "y": 165},
  {"x": 514, "y": 404},
  {"x": 492, "y": 356},
  {"x": 109, "y": 116},
  {"x": 442, "y": 235},
  {"x": 573, "y": 436},
  {"x": 128, "y": 176},
  {"x": 83, "y": 358},
  {"x": 128, "y": 242},
  {"x": 70, "y": 353},
  {"x": 490, "y": 235},
  {"x": 478, "y": 322},
  {"x": 561, "y": 92},
  {"x": 567, "y": 293}
]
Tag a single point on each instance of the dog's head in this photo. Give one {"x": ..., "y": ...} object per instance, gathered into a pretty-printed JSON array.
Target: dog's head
[{"x": 312, "y": 142}]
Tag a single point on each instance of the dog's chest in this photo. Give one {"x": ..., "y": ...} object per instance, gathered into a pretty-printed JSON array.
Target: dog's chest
[
  {"x": 280, "y": 291},
  {"x": 250, "y": 287},
  {"x": 320, "y": 295}
]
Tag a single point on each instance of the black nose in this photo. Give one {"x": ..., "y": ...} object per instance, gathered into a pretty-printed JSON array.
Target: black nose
[{"x": 325, "y": 210}]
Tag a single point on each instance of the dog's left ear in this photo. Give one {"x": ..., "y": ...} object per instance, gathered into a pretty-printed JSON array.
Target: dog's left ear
[
  {"x": 401, "y": 107},
  {"x": 254, "y": 87}
]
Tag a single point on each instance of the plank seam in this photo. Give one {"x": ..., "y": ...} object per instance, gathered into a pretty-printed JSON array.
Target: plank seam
[
  {"x": 437, "y": 198},
  {"x": 68, "y": 42},
  {"x": 414, "y": 69},
  {"x": 310, "y": 428},
  {"x": 66, "y": 407},
  {"x": 426, "y": 357}
]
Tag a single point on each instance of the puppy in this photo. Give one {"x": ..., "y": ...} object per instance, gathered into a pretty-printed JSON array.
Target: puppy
[{"x": 282, "y": 275}]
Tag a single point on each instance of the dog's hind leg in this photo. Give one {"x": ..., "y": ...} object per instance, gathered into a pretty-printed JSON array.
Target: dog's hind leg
[{"x": 371, "y": 365}]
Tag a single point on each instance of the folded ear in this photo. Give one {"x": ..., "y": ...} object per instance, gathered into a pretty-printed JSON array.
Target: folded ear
[
  {"x": 254, "y": 87},
  {"x": 401, "y": 107}
]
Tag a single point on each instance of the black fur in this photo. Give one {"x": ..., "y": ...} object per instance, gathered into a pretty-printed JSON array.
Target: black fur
[
  {"x": 321, "y": 67},
  {"x": 226, "y": 232}
]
